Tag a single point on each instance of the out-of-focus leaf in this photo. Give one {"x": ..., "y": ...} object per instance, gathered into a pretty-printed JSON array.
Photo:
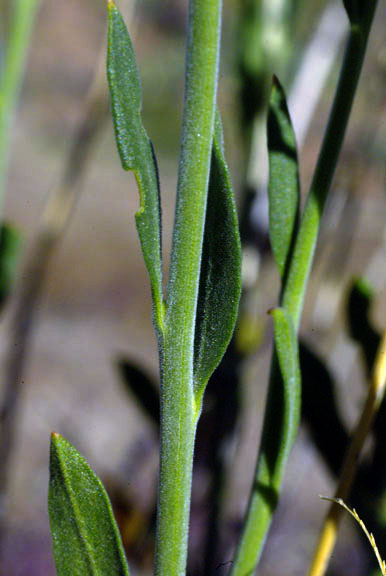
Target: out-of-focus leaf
[
  {"x": 220, "y": 278},
  {"x": 85, "y": 537},
  {"x": 286, "y": 348},
  {"x": 284, "y": 187},
  {"x": 320, "y": 410},
  {"x": 252, "y": 60},
  {"x": 360, "y": 298},
  {"x": 249, "y": 333},
  {"x": 10, "y": 248},
  {"x": 135, "y": 148},
  {"x": 142, "y": 387}
]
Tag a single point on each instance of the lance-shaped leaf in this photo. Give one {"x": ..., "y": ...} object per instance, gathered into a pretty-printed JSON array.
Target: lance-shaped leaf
[
  {"x": 85, "y": 536},
  {"x": 135, "y": 148},
  {"x": 286, "y": 349},
  {"x": 220, "y": 277},
  {"x": 284, "y": 187},
  {"x": 10, "y": 248}
]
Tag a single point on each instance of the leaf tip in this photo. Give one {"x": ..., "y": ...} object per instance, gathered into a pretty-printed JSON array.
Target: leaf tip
[
  {"x": 276, "y": 85},
  {"x": 55, "y": 449},
  {"x": 58, "y": 443},
  {"x": 111, "y": 5}
]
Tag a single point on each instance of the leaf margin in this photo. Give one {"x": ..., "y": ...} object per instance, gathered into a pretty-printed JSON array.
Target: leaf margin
[
  {"x": 136, "y": 150},
  {"x": 203, "y": 369}
]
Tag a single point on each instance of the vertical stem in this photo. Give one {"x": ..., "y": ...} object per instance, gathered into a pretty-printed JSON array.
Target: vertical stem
[
  {"x": 22, "y": 17},
  {"x": 276, "y": 442},
  {"x": 306, "y": 239},
  {"x": 179, "y": 412}
]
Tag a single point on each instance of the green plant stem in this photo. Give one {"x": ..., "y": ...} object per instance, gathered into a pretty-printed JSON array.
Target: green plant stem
[
  {"x": 179, "y": 410},
  {"x": 277, "y": 436},
  {"x": 22, "y": 17},
  {"x": 296, "y": 284}
]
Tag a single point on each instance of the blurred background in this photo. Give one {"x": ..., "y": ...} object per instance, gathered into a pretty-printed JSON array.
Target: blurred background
[{"x": 81, "y": 299}]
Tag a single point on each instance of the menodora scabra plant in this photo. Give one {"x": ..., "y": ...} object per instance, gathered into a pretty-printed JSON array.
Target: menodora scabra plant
[
  {"x": 194, "y": 321},
  {"x": 195, "y": 318}
]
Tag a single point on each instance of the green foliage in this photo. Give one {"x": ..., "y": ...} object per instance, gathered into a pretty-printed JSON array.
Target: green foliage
[
  {"x": 10, "y": 249},
  {"x": 306, "y": 238},
  {"x": 85, "y": 537},
  {"x": 252, "y": 63},
  {"x": 280, "y": 427},
  {"x": 220, "y": 279},
  {"x": 180, "y": 405},
  {"x": 135, "y": 149},
  {"x": 273, "y": 452},
  {"x": 196, "y": 322},
  {"x": 204, "y": 278},
  {"x": 284, "y": 187}
]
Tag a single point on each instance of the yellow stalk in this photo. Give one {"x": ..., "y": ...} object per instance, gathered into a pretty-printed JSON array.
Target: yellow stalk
[
  {"x": 370, "y": 537},
  {"x": 328, "y": 534}
]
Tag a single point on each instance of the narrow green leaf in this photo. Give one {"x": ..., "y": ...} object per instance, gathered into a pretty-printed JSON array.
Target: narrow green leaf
[
  {"x": 135, "y": 148},
  {"x": 284, "y": 187},
  {"x": 359, "y": 301},
  {"x": 85, "y": 537},
  {"x": 141, "y": 387},
  {"x": 220, "y": 276},
  {"x": 10, "y": 248},
  {"x": 281, "y": 421}
]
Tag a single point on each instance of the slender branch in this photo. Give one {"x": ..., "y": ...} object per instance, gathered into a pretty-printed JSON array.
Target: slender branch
[
  {"x": 375, "y": 396},
  {"x": 179, "y": 412},
  {"x": 306, "y": 239},
  {"x": 276, "y": 441}
]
